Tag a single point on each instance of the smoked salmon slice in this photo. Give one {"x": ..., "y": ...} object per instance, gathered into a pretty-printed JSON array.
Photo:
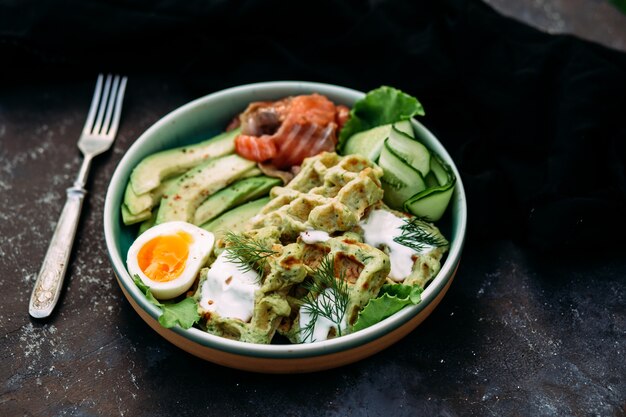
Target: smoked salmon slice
[
  {"x": 255, "y": 148},
  {"x": 286, "y": 131}
]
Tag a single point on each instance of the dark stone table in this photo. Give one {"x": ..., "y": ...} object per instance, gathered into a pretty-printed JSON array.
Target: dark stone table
[{"x": 516, "y": 334}]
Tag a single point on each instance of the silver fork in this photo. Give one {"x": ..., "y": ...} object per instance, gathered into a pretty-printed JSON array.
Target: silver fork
[{"x": 96, "y": 138}]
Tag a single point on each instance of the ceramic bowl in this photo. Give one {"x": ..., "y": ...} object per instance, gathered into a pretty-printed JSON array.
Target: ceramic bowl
[{"x": 205, "y": 117}]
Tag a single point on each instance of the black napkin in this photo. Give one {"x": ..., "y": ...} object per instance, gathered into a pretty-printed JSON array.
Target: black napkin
[{"x": 536, "y": 123}]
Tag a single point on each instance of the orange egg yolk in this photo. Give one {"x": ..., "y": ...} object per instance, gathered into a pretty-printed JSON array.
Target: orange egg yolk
[{"x": 163, "y": 258}]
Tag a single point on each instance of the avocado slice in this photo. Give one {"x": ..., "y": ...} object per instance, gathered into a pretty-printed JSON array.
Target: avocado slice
[
  {"x": 146, "y": 224},
  {"x": 198, "y": 184},
  {"x": 235, "y": 220},
  {"x": 129, "y": 218},
  {"x": 234, "y": 195},
  {"x": 149, "y": 173},
  {"x": 140, "y": 203}
]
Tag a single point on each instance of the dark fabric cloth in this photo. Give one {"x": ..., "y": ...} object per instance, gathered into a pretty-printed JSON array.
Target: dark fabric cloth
[{"x": 536, "y": 123}]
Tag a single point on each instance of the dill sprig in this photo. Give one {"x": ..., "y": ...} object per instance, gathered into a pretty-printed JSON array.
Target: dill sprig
[
  {"x": 419, "y": 235},
  {"x": 248, "y": 253},
  {"x": 327, "y": 297}
]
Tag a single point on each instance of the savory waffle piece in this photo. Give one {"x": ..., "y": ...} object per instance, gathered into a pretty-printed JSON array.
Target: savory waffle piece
[
  {"x": 268, "y": 311},
  {"x": 330, "y": 193},
  {"x": 425, "y": 267},
  {"x": 330, "y": 196},
  {"x": 362, "y": 268}
]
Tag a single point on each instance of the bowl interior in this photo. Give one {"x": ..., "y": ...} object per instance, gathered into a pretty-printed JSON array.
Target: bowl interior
[{"x": 206, "y": 117}]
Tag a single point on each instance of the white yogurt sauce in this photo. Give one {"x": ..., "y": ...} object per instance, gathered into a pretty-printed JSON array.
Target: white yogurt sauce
[
  {"x": 380, "y": 228},
  {"x": 314, "y": 236},
  {"x": 322, "y": 324},
  {"x": 228, "y": 291}
]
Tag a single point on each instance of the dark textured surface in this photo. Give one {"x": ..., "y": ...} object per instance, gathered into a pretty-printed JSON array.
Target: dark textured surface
[{"x": 516, "y": 334}]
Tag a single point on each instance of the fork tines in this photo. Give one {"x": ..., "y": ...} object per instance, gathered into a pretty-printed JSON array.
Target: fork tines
[{"x": 106, "y": 102}]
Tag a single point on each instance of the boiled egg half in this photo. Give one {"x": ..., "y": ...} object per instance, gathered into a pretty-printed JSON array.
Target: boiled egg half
[{"x": 168, "y": 257}]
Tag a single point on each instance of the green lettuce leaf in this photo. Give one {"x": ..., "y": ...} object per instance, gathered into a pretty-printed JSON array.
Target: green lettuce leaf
[
  {"x": 391, "y": 299},
  {"x": 146, "y": 291},
  {"x": 379, "y": 107},
  {"x": 184, "y": 313}
]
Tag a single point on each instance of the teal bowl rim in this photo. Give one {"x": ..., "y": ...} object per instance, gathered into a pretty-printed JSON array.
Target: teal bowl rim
[{"x": 362, "y": 337}]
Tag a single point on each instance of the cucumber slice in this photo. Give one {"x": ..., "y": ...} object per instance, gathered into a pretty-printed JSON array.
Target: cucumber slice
[
  {"x": 431, "y": 180},
  {"x": 442, "y": 171},
  {"x": 369, "y": 143},
  {"x": 400, "y": 180},
  {"x": 431, "y": 203},
  {"x": 410, "y": 150},
  {"x": 405, "y": 127}
]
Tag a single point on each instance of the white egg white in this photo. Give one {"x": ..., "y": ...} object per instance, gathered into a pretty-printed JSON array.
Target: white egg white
[{"x": 199, "y": 252}]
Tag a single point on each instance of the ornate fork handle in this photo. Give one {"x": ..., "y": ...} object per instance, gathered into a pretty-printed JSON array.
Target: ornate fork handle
[
  {"x": 50, "y": 279},
  {"x": 97, "y": 137}
]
